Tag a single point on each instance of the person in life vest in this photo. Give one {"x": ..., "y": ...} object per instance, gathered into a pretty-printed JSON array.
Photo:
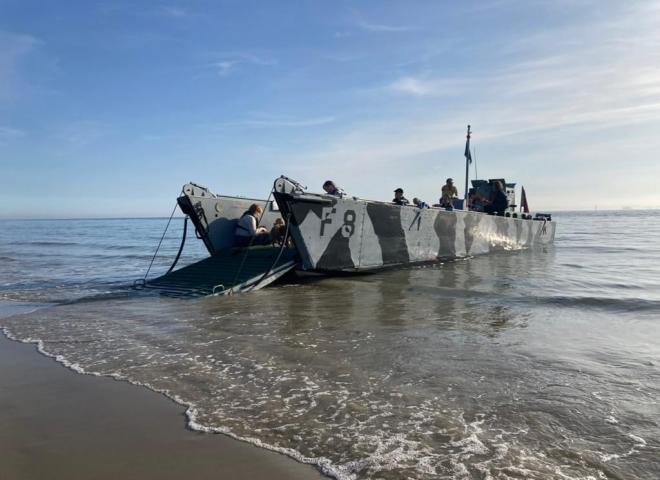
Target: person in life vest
[{"x": 247, "y": 233}]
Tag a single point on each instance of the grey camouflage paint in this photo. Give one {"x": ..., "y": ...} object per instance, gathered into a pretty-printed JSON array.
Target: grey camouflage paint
[{"x": 350, "y": 234}]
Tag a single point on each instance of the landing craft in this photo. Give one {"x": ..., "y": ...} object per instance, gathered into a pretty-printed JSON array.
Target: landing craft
[
  {"x": 331, "y": 234},
  {"x": 350, "y": 234}
]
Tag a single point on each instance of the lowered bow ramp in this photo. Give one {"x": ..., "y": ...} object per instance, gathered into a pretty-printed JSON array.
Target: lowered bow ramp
[{"x": 233, "y": 271}]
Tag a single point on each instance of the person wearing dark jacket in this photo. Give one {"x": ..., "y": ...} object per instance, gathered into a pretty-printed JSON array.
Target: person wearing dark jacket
[
  {"x": 399, "y": 199},
  {"x": 500, "y": 203}
]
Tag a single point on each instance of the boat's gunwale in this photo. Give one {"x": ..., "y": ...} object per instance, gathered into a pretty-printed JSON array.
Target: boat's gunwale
[
  {"x": 216, "y": 196},
  {"x": 325, "y": 198}
]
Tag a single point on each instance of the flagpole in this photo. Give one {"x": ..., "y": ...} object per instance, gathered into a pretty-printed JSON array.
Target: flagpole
[{"x": 467, "y": 166}]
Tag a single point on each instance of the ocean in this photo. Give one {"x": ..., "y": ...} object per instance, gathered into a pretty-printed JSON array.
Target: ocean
[{"x": 536, "y": 364}]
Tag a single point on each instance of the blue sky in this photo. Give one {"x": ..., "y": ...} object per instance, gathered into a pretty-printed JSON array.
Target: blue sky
[{"x": 107, "y": 108}]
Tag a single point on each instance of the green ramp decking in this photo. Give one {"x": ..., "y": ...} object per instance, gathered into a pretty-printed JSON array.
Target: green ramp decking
[{"x": 238, "y": 269}]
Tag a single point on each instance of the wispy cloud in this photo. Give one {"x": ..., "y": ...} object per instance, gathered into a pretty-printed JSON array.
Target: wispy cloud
[
  {"x": 427, "y": 86},
  {"x": 344, "y": 57},
  {"x": 342, "y": 34},
  {"x": 224, "y": 67},
  {"x": 594, "y": 79},
  {"x": 359, "y": 21},
  {"x": 552, "y": 85},
  {"x": 78, "y": 134},
  {"x": 381, "y": 27},
  {"x": 412, "y": 86},
  {"x": 264, "y": 120},
  {"x": 230, "y": 62},
  {"x": 173, "y": 11},
  {"x": 8, "y": 134}
]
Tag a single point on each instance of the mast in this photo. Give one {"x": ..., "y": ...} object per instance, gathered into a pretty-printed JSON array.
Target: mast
[{"x": 468, "y": 161}]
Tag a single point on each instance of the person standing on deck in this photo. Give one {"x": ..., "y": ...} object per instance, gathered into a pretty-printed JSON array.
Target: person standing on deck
[
  {"x": 500, "y": 203},
  {"x": 247, "y": 233}
]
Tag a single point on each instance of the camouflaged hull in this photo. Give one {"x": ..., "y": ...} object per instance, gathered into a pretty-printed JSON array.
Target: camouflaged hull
[{"x": 349, "y": 234}]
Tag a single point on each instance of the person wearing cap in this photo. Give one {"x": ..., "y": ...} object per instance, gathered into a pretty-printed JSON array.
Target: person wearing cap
[
  {"x": 419, "y": 203},
  {"x": 399, "y": 199},
  {"x": 331, "y": 189},
  {"x": 449, "y": 193}
]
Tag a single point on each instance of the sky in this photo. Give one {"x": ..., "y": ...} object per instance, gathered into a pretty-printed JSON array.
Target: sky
[{"x": 108, "y": 107}]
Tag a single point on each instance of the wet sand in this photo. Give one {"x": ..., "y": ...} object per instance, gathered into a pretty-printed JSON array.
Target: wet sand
[{"x": 57, "y": 424}]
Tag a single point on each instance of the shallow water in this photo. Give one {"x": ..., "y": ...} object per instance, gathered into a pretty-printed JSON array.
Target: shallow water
[{"x": 532, "y": 364}]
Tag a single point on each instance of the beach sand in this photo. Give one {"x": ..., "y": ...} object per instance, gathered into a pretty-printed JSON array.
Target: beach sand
[{"x": 57, "y": 424}]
